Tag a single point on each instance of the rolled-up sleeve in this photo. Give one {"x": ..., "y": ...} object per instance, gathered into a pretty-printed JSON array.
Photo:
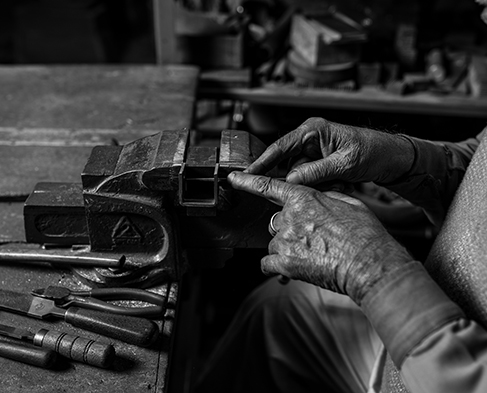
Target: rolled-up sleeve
[
  {"x": 435, "y": 175},
  {"x": 453, "y": 359},
  {"x": 405, "y": 306},
  {"x": 437, "y": 349}
]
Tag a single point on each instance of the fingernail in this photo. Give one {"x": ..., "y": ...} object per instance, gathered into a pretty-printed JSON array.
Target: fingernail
[{"x": 293, "y": 177}]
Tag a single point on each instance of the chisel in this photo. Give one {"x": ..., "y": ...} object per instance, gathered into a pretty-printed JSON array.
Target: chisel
[
  {"x": 132, "y": 330},
  {"x": 76, "y": 348},
  {"x": 34, "y": 356}
]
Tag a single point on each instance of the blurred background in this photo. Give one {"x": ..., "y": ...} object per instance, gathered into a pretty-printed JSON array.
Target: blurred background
[{"x": 401, "y": 47}]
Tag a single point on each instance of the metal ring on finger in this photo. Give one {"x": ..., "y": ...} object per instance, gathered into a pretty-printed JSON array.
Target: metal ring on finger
[{"x": 272, "y": 229}]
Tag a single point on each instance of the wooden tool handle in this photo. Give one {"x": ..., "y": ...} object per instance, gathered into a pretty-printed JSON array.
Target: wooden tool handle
[{"x": 139, "y": 331}]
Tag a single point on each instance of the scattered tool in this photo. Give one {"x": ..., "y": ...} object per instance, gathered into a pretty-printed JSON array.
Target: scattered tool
[
  {"x": 82, "y": 256},
  {"x": 64, "y": 297},
  {"x": 76, "y": 348},
  {"x": 139, "y": 331},
  {"x": 34, "y": 356}
]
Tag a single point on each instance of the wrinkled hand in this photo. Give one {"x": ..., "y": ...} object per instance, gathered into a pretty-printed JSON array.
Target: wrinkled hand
[
  {"x": 325, "y": 238},
  {"x": 324, "y": 151}
]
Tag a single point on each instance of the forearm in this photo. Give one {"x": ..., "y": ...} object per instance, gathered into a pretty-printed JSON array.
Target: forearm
[
  {"x": 406, "y": 306},
  {"x": 426, "y": 334},
  {"x": 435, "y": 174}
]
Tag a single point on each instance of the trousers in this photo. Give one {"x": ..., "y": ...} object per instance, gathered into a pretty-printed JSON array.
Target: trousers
[{"x": 293, "y": 338}]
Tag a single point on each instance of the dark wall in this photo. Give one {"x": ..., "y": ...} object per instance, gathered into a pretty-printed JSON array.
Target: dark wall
[
  {"x": 75, "y": 31},
  {"x": 70, "y": 31}
]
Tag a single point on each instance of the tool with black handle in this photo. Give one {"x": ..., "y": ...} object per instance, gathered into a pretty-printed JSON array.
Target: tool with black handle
[
  {"x": 138, "y": 331},
  {"x": 76, "y": 348},
  {"x": 39, "y": 357},
  {"x": 65, "y": 297}
]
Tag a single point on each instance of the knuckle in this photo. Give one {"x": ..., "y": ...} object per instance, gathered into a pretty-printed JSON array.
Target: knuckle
[
  {"x": 298, "y": 201},
  {"x": 262, "y": 184},
  {"x": 309, "y": 125},
  {"x": 313, "y": 173},
  {"x": 276, "y": 147},
  {"x": 293, "y": 195},
  {"x": 266, "y": 265},
  {"x": 319, "y": 123},
  {"x": 315, "y": 121},
  {"x": 272, "y": 247}
]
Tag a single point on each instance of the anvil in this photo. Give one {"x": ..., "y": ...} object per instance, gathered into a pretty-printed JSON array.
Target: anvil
[{"x": 160, "y": 202}]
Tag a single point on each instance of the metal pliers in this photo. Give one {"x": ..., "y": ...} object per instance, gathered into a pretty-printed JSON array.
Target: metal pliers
[{"x": 65, "y": 297}]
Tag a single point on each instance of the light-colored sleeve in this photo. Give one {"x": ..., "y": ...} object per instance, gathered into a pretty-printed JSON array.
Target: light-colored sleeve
[
  {"x": 437, "y": 349},
  {"x": 435, "y": 175},
  {"x": 453, "y": 359}
]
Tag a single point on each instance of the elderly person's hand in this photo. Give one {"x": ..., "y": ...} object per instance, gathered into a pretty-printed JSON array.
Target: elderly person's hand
[
  {"x": 325, "y": 238},
  {"x": 324, "y": 151}
]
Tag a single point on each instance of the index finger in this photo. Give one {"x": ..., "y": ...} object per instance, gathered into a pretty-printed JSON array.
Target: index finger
[
  {"x": 287, "y": 146},
  {"x": 274, "y": 190}
]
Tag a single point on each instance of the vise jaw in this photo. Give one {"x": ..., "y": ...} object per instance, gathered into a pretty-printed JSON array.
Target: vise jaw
[{"x": 153, "y": 202}]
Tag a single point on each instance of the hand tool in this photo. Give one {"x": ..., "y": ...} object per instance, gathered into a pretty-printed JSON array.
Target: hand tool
[
  {"x": 34, "y": 356},
  {"x": 76, "y": 348},
  {"x": 133, "y": 330},
  {"x": 160, "y": 201},
  {"x": 81, "y": 256},
  {"x": 64, "y": 297}
]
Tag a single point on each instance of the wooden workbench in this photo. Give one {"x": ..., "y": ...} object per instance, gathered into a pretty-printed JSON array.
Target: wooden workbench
[{"x": 50, "y": 118}]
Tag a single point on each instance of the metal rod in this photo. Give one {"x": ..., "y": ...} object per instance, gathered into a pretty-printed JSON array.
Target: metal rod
[{"x": 28, "y": 254}]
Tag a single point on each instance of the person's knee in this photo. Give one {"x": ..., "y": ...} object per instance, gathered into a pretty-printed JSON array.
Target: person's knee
[{"x": 278, "y": 306}]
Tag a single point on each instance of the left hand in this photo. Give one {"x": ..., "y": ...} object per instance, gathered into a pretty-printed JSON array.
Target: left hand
[
  {"x": 322, "y": 151},
  {"x": 325, "y": 238}
]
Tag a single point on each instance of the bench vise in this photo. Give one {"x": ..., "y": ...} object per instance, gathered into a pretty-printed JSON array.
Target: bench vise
[{"x": 159, "y": 203}]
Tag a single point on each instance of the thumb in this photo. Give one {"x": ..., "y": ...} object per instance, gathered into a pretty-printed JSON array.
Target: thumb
[
  {"x": 344, "y": 198},
  {"x": 315, "y": 172},
  {"x": 274, "y": 190}
]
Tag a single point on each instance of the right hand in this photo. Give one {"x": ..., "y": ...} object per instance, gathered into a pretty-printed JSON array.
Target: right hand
[
  {"x": 324, "y": 151},
  {"x": 325, "y": 238}
]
